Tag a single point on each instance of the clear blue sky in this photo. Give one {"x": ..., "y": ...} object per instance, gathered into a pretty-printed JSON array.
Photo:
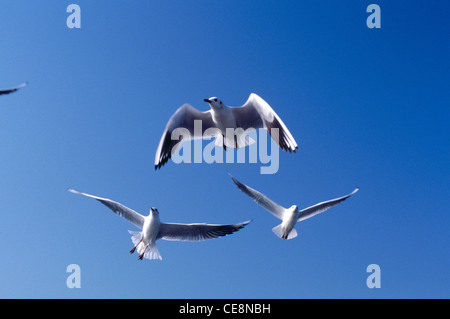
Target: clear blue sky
[{"x": 369, "y": 108}]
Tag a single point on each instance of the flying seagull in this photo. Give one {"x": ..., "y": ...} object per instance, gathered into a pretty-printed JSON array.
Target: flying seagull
[
  {"x": 289, "y": 216},
  {"x": 254, "y": 114},
  {"x": 11, "y": 90},
  {"x": 152, "y": 228}
]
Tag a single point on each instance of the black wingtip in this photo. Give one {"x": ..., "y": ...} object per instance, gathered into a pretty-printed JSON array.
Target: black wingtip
[
  {"x": 162, "y": 162},
  {"x": 242, "y": 225},
  {"x": 234, "y": 180}
]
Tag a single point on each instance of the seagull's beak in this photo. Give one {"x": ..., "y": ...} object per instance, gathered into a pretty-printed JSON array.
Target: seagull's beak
[{"x": 207, "y": 100}]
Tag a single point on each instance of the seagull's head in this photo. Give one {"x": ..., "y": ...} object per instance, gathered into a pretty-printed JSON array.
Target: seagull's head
[
  {"x": 294, "y": 208},
  {"x": 214, "y": 102},
  {"x": 154, "y": 211}
]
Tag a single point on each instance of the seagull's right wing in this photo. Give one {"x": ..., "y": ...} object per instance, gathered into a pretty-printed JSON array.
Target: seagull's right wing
[
  {"x": 121, "y": 210},
  {"x": 196, "y": 232},
  {"x": 261, "y": 199},
  {"x": 11, "y": 90},
  {"x": 323, "y": 206},
  {"x": 257, "y": 113},
  {"x": 183, "y": 118}
]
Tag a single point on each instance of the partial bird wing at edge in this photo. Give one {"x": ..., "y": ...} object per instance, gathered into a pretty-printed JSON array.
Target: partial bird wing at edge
[
  {"x": 11, "y": 90},
  {"x": 121, "y": 210}
]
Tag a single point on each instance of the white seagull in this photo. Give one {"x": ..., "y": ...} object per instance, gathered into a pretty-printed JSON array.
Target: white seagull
[
  {"x": 254, "y": 114},
  {"x": 11, "y": 90},
  {"x": 289, "y": 216},
  {"x": 152, "y": 228}
]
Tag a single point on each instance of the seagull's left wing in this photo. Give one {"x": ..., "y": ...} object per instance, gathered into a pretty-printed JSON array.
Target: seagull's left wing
[
  {"x": 11, "y": 90},
  {"x": 261, "y": 199},
  {"x": 196, "y": 232},
  {"x": 121, "y": 210},
  {"x": 323, "y": 206},
  {"x": 185, "y": 117},
  {"x": 257, "y": 113}
]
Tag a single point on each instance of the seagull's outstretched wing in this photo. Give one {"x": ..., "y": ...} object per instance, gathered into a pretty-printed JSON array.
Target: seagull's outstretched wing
[
  {"x": 196, "y": 232},
  {"x": 323, "y": 206},
  {"x": 257, "y": 113},
  {"x": 184, "y": 117},
  {"x": 261, "y": 199},
  {"x": 11, "y": 90},
  {"x": 121, "y": 210}
]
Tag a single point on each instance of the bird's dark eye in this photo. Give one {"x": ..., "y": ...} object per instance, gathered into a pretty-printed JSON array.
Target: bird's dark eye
[{"x": 215, "y": 100}]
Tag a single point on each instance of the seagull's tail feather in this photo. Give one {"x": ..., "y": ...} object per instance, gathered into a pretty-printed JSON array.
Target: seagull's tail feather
[
  {"x": 281, "y": 232},
  {"x": 151, "y": 252}
]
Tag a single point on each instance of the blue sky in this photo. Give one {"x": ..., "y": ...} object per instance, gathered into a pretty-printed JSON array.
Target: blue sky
[{"x": 369, "y": 108}]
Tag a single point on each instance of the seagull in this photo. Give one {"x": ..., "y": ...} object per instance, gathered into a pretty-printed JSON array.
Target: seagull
[
  {"x": 289, "y": 216},
  {"x": 11, "y": 90},
  {"x": 255, "y": 113},
  {"x": 152, "y": 228}
]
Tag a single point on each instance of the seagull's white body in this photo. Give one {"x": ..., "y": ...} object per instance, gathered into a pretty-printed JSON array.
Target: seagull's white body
[
  {"x": 289, "y": 216},
  {"x": 254, "y": 114},
  {"x": 223, "y": 118},
  {"x": 145, "y": 241},
  {"x": 152, "y": 229}
]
